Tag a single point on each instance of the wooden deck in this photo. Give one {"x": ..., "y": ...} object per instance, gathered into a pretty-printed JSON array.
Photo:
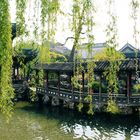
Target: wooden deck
[{"x": 97, "y": 98}]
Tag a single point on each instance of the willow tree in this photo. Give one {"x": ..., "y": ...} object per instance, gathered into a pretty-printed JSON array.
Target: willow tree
[
  {"x": 134, "y": 15},
  {"x": 6, "y": 90},
  {"x": 82, "y": 26},
  {"x": 39, "y": 28},
  {"x": 112, "y": 71}
]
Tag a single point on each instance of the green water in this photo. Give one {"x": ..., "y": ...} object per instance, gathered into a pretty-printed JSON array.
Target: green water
[{"x": 29, "y": 122}]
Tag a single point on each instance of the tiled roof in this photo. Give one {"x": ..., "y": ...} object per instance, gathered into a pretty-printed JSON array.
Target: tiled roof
[{"x": 126, "y": 65}]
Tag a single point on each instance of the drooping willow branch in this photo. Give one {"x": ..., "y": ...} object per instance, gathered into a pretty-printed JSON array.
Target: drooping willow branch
[
  {"x": 135, "y": 7},
  {"x": 20, "y": 17},
  {"x": 6, "y": 51},
  {"x": 83, "y": 18},
  {"x": 113, "y": 69}
]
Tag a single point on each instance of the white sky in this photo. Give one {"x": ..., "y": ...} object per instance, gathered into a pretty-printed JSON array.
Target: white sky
[{"x": 125, "y": 23}]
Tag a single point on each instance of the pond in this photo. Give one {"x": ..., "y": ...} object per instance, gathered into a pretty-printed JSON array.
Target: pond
[{"x": 30, "y": 122}]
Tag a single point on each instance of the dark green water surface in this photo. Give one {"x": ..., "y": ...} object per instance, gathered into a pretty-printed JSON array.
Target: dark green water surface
[{"x": 29, "y": 122}]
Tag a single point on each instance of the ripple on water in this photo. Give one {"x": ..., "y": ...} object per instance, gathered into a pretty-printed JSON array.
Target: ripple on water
[{"x": 51, "y": 123}]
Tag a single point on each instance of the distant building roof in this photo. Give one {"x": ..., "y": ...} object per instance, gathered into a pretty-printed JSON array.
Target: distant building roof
[
  {"x": 98, "y": 47},
  {"x": 59, "y": 48},
  {"x": 129, "y": 51}
]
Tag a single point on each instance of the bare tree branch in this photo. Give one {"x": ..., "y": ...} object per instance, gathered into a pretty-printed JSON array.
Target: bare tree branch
[{"x": 67, "y": 40}]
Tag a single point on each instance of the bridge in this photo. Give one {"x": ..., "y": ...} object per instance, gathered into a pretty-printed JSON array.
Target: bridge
[{"x": 97, "y": 98}]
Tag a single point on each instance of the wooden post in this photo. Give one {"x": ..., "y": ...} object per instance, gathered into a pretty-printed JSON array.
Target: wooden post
[
  {"x": 47, "y": 79},
  {"x": 13, "y": 73},
  {"x": 37, "y": 77},
  {"x": 17, "y": 73},
  {"x": 83, "y": 81},
  {"x": 24, "y": 73},
  {"x": 128, "y": 85},
  {"x": 100, "y": 88},
  {"x": 58, "y": 83},
  {"x": 70, "y": 83},
  {"x": 72, "y": 87}
]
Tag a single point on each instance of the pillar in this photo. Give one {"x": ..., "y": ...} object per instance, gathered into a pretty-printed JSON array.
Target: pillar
[
  {"x": 47, "y": 79},
  {"x": 58, "y": 83},
  {"x": 128, "y": 85},
  {"x": 37, "y": 77},
  {"x": 17, "y": 73},
  {"x": 100, "y": 87}
]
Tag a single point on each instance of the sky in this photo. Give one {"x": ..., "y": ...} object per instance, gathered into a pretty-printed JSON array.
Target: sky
[{"x": 124, "y": 22}]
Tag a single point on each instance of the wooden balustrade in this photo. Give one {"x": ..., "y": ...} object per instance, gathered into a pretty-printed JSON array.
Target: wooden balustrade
[{"x": 102, "y": 98}]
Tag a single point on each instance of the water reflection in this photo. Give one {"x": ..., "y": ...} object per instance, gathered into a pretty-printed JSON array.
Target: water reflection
[
  {"x": 31, "y": 122},
  {"x": 98, "y": 127}
]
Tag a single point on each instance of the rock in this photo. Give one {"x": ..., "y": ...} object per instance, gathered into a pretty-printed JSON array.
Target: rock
[{"x": 55, "y": 101}]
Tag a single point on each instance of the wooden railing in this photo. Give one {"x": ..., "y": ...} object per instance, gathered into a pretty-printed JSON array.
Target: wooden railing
[{"x": 97, "y": 98}]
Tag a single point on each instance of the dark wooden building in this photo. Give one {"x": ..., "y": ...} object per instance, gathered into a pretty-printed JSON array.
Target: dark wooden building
[{"x": 58, "y": 81}]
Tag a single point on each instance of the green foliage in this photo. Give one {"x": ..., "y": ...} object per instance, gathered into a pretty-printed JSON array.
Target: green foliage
[
  {"x": 49, "y": 13},
  {"x": 40, "y": 78},
  {"x": 80, "y": 106},
  {"x": 112, "y": 107},
  {"x": 47, "y": 56},
  {"x": 44, "y": 53},
  {"x": 83, "y": 12},
  {"x": 82, "y": 20},
  {"x": 109, "y": 54},
  {"x": 137, "y": 87},
  {"x": 90, "y": 111},
  {"x": 32, "y": 82},
  {"x": 113, "y": 57},
  {"x": 88, "y": 98},
  {"x": 135, "y": 4},
  {"x": 32, "y": 94},
  {"x": 6, "y": 90},
  {"x": 20, "y": 16},
  {"x": 95, "y": 85},
  {"x": 56, "y": 57}
]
